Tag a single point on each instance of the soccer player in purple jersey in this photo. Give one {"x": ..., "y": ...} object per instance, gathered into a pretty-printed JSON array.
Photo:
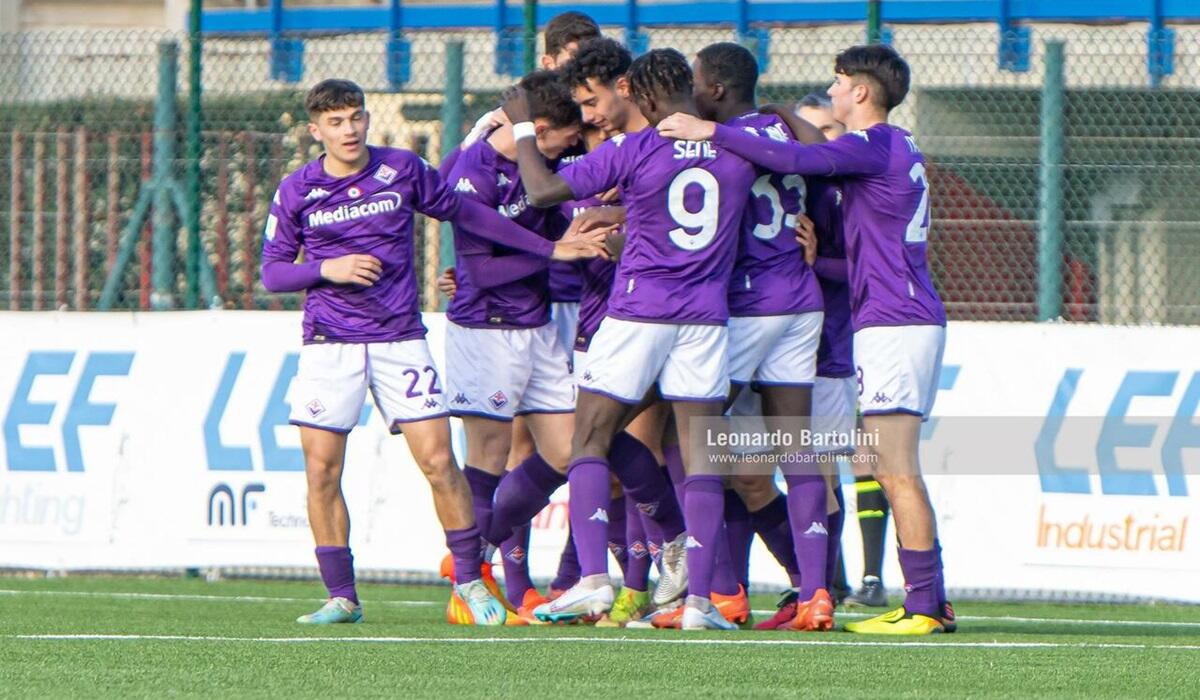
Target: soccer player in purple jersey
[
  {"x": 898, "y": 319},
  {"x": 666, "y": 316},
  {"x": 775, "y": 308},
  {"x": 352, "y": 213},
  {"x": 501, "y": 314}
]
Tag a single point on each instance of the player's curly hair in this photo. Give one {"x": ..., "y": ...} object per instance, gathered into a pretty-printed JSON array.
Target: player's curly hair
[
  {"x": 332, "y": 94},
  {"x": 663, "y": 73},
  {"x": 731, "y": 65},
  {"x": 550, "y": 99},
  {"x": 568, "y": 28},
  {"x": 602, "y": 59},
  {"x": 882, "y": 65}
]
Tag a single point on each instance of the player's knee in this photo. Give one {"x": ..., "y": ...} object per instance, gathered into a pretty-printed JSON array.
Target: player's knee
[
  {"x": 755, "y": 489},
  {"x": 324, "y": 477},
  {"x": 440, "y": 470}
]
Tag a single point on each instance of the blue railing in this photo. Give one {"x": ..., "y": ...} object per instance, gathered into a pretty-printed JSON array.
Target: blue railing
[{"x": 282, "y": 24}]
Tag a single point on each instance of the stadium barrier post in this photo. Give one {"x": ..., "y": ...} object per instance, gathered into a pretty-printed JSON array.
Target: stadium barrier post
[
  {"x": 221, "y": 241},
  {"x": 452, "y": 123},
  {"x": 17, "y": 187},
  {"x": 249, "y": 254},
  {"x": 113, "y": 194},
  {"x": 164, "y": 155},
  {"x": 194, "y": 153},
  {"x": 1050, "y": 191},
  {"x": 874, "y": 22},
  {"x": 145, "y": 243},
  {"x": 530, "y": 35},
  {"x": 61, "y": 208},
  {"x": 80, "y": 219},
  {"x": 37, "y": 260}
]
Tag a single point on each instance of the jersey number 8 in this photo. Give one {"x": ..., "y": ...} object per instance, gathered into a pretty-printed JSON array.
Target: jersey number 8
[{"x": 704, "y": 219}]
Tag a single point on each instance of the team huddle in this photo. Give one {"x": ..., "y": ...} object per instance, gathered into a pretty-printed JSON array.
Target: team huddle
[{"x": 639, "y": 248}]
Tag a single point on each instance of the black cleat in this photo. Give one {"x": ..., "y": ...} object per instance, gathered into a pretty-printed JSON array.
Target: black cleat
[{"x": 871, "y": 595}]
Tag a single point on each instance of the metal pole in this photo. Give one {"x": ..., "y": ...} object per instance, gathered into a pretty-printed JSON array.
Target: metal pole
[
  {"x": 874, "y": 22},
  {"x": 530, "y": 35},
  {"x": 194, "y": 154},
  {"x": 452, "y": 123},
  {"x": 163, "y": 273},
  {"x": 1050, "y": 210}
]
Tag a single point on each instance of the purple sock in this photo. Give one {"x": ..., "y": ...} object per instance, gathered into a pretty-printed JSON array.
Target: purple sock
[
  {"x": 514, "y": 555},
  {"x": 675, "y": 470},
  {"x": 337, "y": 572},
  {"x": 941, "y": 573},
  {"x": 568, "y": 566},
  {"x": 810, "y": 529},
  {"x": 635, "y": 467},
  {"x": 521, "y": 495},
  {"x": 921, "y": 575},
  {"x": 836, "y": 522},
  {"x": 740, "y": 535},
  {"x": 637, "y": 567},
  {"x": 483, "y": 488},
  {"x": 704, "y": 508},
  {"x": 771, "y": 524},
  {"x": 724, "y": 576},
  {"x": 465, "y": 547},
  {"x": 588, "y": 477},
  {"x": 616, "y": 531}
]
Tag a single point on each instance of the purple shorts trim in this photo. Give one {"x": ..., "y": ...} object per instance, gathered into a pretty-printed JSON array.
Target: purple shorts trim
[
  {"x": 694, "y": 399},
  {"x": 545, "y": 411},
  {"x": 480, "y": 414},
  {"x": 339, "y": 431},
  {"x": 893, "y": 411},
  {"x": 798, "y": 385},
  {"x": 847, "y": 375},
  {"x": 614, "y": 397},
  {"x": 395, "y": 428}
]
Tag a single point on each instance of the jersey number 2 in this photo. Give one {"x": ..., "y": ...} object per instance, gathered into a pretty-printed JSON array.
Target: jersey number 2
[{"x": 918, "y": 227}]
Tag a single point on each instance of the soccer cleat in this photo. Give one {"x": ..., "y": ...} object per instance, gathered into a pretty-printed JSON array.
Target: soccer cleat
[
  {"x": 647, "y": 621},
  {"x": 813, "y": 615},
  {"x": 712, "y": 618},
  {"x": 334, "y": 611},
  {"x": 576, "y": 603},
  {"x": 446, "y": 571},
  {"x": 734, "y": 608},
  {"x": 528, "y": 604},
  {"x": 898, "y": 621},
  {"x": 785, "y": 611},
  {"x": 630, "y": 605},
  {"x": 871, "y": 595},
  {"x": 672, "y": 582},
  {"x": 553, "y": 593},
  {"x": 472, "y": 603},
  {"x": 949, "y": 622},
  {"x": 668, "y": 619}
]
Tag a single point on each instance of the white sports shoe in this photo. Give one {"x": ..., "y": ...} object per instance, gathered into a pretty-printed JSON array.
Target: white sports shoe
[
  {"x": 578, "y": 601},
  {"x": 673, "y": 579},
  {"x": 696, "y": 619}
]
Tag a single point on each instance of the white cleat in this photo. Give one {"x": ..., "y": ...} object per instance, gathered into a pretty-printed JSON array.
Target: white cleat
[
  {"x": 673, "y": 579},
  {"x": 696, "y": 619},
  {"x": 577, "y": 602}
]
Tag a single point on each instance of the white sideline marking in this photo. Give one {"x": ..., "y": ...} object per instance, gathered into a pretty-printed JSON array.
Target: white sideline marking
[
  {"x": 424, "y": 603},
  {"x": 592, "y": 640},
  {"x": 197, "y": 596}
]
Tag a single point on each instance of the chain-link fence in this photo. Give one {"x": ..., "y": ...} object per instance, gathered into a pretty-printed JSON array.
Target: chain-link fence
[{"x": 1119, "y": 239}]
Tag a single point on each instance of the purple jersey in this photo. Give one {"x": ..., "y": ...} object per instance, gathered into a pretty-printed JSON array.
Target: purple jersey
[
  {"x": 684, "y": 203},
  {"x": 885, "y": 216},
  {"x": 835, "y": 354},
  {"x": 770, "y": 277},
  {"x": 596, "y": 279},
  {"x": 481, "y": 173},
  {"x": 369, "y": 212},
  {"x": 566, "y": 278}
]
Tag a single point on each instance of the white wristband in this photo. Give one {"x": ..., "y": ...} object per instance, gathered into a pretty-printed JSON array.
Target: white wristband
[{"x": 524, "y": 130}]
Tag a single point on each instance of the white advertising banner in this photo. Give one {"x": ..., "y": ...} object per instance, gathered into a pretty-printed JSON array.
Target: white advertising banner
[{"x": 1063, "y": 458}]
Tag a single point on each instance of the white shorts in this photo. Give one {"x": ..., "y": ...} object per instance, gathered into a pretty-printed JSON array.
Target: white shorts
[
  {"x": 500, "y": 373},
  {"x": 690, "y": 362},
  {"x": 775, "y": 350},
  {"x": 578, "y": 361},
  {"x": 332, "y": 380},
  {"x": 834, "y": 403},
  {"x": 898, "y": 368},
  {"x": 565, "y": 317}
]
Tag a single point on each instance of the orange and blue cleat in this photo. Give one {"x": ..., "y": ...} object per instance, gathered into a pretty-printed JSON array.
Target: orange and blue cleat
[{"x": 812, "y": 615}]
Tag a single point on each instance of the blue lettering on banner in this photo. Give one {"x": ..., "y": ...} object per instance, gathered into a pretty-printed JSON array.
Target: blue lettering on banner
[
  {"x": 80, "y": 411},
  {"x": 276, "y": 458},
  {"x": 222, "y": 457},
  {"x": 221, "y": 503},
  {"x": 1117, "y": 433},
  {"x": 1183, "y": 433},
  {"x": 1057, "y": 478}
]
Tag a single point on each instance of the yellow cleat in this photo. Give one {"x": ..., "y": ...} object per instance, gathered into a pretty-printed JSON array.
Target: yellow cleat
[{"x": 898, "y": 621}]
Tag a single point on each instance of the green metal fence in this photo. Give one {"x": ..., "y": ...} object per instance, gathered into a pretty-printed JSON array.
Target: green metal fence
[{"x": 1067, "y": 190}]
